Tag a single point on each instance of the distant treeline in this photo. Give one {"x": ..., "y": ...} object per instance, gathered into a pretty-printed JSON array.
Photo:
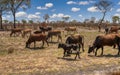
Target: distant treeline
[{"x": 58, "y": 25}]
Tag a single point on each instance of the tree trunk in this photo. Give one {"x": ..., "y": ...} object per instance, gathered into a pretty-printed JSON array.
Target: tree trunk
[
  {"x": 14, "y": 20},
  {"x": 99, "y": 25},
  {"x": 1, "y": 26}
]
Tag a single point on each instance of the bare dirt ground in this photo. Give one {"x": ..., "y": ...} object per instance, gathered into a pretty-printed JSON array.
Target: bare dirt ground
[{"x": 49, "y": 61}]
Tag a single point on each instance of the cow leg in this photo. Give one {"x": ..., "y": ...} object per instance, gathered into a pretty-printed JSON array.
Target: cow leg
[
  {"x": 34, "y": 44},
  {"x": 64, "y": 53},
  {"x": 102, "y": 51},
  {"x": 42, "y": 44},
  {"x": 82, "y": 47},
  {"x": 47, "y": 42},
  {"x": 118, "y": 49},
  {"x": 11, "y": 34},
  {"x": 77, "y": 54},
  {"x": 114, "y": 45},
  {"x": 96, "y": 51}
]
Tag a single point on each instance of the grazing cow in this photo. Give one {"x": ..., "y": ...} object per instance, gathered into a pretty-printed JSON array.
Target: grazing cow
[
  {"x": 104, "y": 40},
  {"x": 36, "y": 37},
  {"x": 26, "y": 31},
  {"x": 68, "y": 29},
  {"x": 114, "y": 29},
  {"x": 54, "y": 33},
  {"x": 44, "y": 29},
  {"x": 76, "y": 39},
  {"x": 68, "y": 48},
  {"x": 15, "y": 31}
]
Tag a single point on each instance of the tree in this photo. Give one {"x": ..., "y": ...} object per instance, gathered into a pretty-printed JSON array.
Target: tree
[
  {"x": 24, "y": 21},
  {"x": 3, "y": 7},
  {"x": 15, "y": 4},
  {"x": 115, "y": 19},
  {"x": 92, "y": 20},
  {"x": 46, "y": 17},
  {"x": 5, "y": 21},
  {"x": 31, "y": 21},
  {"x": 65, "y": 18},
  {"x": 104, "y": 6}
]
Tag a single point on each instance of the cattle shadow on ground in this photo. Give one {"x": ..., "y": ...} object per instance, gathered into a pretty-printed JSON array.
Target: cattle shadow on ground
[
  {"x": 67, "y": 58},
  {"x": 52, "y": 42},
  {"x": 36, "y": 48},
  {"x": 108, "y": 55}
]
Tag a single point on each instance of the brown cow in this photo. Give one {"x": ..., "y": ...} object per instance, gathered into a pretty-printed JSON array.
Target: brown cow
[
  {"x": 68, "y": 29},
  {"x": 54, "y": 33},
  {"x": 26, "y": 31},
  {"x": 76, "y": 39},
  {"x": 104, "y": 40},
  {"x": 114, "y": 29},
  {"x": 37, "y": 37},
  {"x": 15, "y": 31}
]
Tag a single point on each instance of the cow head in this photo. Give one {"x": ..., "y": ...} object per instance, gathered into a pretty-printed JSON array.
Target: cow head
[
  {"x": 91, "y": 49},
  {"x": 60, "y": 45}
]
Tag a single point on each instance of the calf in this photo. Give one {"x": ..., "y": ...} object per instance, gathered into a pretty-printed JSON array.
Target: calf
[
  {"x": 76, "y": 39},
  {"x": 105, "y": 40},
  {"x": 67, "y": 49},
  {"x": 37, "y": 37}
]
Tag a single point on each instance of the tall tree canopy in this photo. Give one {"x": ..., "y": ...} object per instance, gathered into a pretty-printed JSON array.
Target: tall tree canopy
[
  {"x": 14, "y": 5},
  {"x": 3, "y": 7},
  {"x": 104, "y": 6}
]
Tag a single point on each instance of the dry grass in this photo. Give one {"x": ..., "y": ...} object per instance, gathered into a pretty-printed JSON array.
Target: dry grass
[{"x": 16, "y": 59}]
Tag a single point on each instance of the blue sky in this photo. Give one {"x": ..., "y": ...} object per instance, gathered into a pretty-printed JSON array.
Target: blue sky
[{"x": 56, "y": 9}]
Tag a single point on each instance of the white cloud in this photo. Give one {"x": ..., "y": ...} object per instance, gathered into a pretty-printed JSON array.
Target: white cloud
[
  {"x": 33, "y": 16},
  {"x": 118, "y": 3},
  {"x": 83, "y": 3},
  {"x": 21, "y": 14},
  {"x": 48, "y": 5},
  {"x": 71, "y": 2},
  {"x": 37, "y": 13},
  {"x": 116, "y": 14},
  {"x": 59, "y": 15},
  {"x": 80, "y": 15},
  {"x": 41, "y": 8},
  {"x": 92, "y": 9},
  {"x": 74, "y": 9},
  {"x": 4, "y": 18},
  {"x": 118, "y": 10}
]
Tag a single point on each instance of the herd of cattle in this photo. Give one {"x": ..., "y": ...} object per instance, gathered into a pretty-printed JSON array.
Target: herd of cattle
[{"x": 73, "y": 42}]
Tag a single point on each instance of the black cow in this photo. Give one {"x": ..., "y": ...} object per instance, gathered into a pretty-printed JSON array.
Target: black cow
[
  {"x": 68, "y": 49},
  {"x": 76, "y": 39}
]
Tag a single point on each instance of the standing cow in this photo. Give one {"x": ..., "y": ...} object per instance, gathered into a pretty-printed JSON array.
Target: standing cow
[
  {"x": 105, "y": 40},
  {"x": 76, "y": 39}
]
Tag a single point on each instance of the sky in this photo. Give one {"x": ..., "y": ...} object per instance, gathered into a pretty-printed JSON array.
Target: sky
[{"x": 76, "y": 9}]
